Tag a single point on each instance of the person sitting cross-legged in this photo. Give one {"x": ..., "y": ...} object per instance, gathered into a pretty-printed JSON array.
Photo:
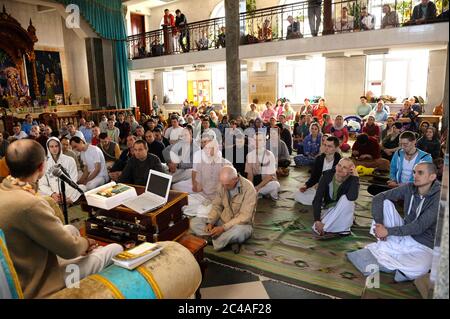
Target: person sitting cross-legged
[
  {"x": 40, "y": 246},
  {"x": 325, "y": 161},
  {"x": 95, "y": 173},
  {"x": 366, "y": 152},
  {"x": 261, "y": 168},
  {"x": 231, "y": 217},
  {"x": 110, "y": 149},
  {"x": 311, "y": 146},
  {"x": 404, "y": 244},
  {"x": 402, "y": 163},
  {"x": 334, "y": 203},
  {"x": 116, "y": 170}
]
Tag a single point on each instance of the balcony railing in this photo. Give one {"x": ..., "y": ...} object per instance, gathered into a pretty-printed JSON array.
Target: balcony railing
[{"x": 290, "y": 21}]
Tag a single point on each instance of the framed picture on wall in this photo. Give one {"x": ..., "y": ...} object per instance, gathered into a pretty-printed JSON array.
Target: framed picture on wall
[{"x": 49, "y": 75}]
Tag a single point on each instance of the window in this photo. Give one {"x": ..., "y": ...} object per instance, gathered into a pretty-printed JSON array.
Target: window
[
  {"x": 175, "y": 86},
  {"x": 301, "y": 79},
  {"x": 400, "y": 74}
]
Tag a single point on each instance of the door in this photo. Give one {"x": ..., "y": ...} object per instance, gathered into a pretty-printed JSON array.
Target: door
[
  {"x": 138, "y": 27},
  {"x": 143, "y": 96}
]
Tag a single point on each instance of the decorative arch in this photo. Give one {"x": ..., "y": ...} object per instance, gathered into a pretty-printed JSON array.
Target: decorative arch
[
  {"x": 18, "y": 44},
  {"x": 218, "y": 11}
]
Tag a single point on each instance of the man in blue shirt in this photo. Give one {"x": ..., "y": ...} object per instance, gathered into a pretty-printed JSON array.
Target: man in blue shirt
[{"x": 28, "y": 123}]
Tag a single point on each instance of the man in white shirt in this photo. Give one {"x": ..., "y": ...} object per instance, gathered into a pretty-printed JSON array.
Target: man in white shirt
[
  {"x": 261, "y": 168},
  {"x": 18, "y": 133},
  {"x": 95, "y": 173},
  {"x": 174, "y": 133}
]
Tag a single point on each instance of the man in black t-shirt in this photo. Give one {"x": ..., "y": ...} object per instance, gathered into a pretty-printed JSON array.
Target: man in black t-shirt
[{"x": 181, "y": 24}]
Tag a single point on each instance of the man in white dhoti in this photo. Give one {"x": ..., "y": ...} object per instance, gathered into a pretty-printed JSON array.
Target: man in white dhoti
[
  {"x": 205, "y": 177},
  {"x": 325, "y": 161},
  {"x": 333, "y": 205},
  {"x": 404, "y": 245},
  {"x": 230, "y": 220}
]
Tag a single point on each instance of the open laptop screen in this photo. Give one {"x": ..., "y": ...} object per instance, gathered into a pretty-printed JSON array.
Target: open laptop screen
[{"x": 158, "y": 185}]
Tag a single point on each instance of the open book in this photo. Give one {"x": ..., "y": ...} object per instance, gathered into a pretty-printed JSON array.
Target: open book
[{"x": 136, "y": 256}]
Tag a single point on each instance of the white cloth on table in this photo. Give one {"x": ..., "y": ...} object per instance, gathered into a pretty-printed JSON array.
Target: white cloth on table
[{"x": 401, "y": 253}]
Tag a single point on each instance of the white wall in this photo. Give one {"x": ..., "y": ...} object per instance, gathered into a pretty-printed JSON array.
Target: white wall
[
  {"x": 436, "y": 78},
  {"x": 77, "y": 69},
  {"x": 344, "y": 84}
]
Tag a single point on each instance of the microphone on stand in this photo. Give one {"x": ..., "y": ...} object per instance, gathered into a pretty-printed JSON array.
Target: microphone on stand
[{"x": 57, "y": 171}]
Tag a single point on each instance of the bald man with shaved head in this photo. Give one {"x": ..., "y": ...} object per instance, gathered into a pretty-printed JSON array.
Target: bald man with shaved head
[
  {"x": 404, "y": 244},
  {"x": 334, "y": 202},
  {"x": 230, "y": 220},
  {"x": 39, "y": 244}
]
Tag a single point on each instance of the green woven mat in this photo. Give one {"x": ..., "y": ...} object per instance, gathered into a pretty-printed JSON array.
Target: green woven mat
[{"x": 283, "y": 247}]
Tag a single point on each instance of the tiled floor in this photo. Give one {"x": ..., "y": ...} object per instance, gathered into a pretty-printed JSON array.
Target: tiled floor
[{"x": 224, "y": 282}]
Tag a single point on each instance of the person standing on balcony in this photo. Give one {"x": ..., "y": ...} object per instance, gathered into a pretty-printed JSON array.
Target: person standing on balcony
[
  {"x": 367, "y": 20},
  {"x": 181, "y": 24},
  {"x": 423, "y": 12},
  {"x": 345, "y": 23},
  {"x": 314, "y": 16},
  {"x": 168, "y": 27},
  {"x": 390, "y": 19}
]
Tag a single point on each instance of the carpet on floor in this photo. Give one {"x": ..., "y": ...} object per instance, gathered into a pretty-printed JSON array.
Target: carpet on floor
[{"x": 283, "y": 247}]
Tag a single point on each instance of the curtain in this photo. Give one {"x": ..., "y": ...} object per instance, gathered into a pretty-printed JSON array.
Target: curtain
[{"x": 107, "y": 20}]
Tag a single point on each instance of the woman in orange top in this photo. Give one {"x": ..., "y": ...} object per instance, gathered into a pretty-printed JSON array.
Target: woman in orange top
[{"x": 320, "y": 110}]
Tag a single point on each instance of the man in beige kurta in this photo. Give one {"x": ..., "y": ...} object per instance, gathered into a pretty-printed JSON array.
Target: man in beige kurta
[{"x": 231, "y": 217}]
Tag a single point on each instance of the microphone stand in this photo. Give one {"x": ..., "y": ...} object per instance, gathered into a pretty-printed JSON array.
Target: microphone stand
[{"x": 64, "y": 202}]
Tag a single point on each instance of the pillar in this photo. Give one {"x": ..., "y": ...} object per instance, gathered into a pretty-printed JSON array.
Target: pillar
[
  {"x": 327, "y": 19},
  {"x": 232, "y": 58},
  {"x": 96, "y": 71},
  {"x": 440, "y": 268}
]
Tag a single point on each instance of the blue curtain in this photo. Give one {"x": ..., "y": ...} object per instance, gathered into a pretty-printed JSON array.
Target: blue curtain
[{"x": 107, "y": 20}]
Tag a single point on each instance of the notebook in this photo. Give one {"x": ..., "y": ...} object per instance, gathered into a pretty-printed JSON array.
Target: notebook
[{"x": 136, "y": 256}]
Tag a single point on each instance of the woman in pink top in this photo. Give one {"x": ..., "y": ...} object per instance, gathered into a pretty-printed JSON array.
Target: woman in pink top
[
  {"x": 341, "y": 132},
  {"x": 268, "y": 112},
  {"x": 279, "y": 108}
]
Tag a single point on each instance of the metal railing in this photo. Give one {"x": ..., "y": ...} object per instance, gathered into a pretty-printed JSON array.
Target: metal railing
[{"x": 291, "y": 21}]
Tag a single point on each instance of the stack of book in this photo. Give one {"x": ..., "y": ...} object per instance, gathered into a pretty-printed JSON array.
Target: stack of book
[{"x": 136, "y": 256}]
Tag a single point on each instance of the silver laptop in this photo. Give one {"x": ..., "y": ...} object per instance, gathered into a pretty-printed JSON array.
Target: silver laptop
[{"x": 155, "y": 195}]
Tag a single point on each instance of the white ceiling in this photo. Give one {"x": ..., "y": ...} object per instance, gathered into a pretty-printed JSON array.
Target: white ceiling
[{"x": 147, "y": 3}]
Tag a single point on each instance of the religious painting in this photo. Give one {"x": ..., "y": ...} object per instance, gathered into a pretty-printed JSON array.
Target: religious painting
[
  {"x": 5, "y": 63},
  {"x": 49, "y": 75}
]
